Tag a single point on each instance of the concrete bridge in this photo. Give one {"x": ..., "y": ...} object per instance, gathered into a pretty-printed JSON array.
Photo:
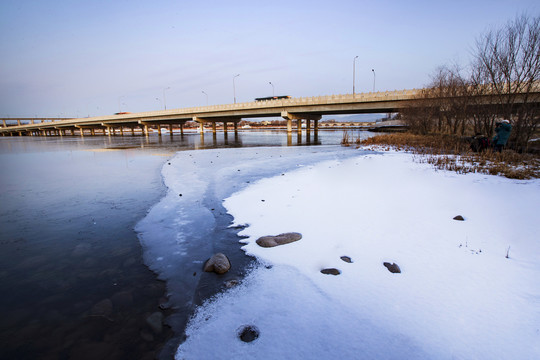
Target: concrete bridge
[{"x": 307, "y": 109}]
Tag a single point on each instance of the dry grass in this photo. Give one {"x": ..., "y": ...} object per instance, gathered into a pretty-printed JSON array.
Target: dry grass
[
  {"x": 453, "y": 153},
  {"x": 345, "y": 139}
]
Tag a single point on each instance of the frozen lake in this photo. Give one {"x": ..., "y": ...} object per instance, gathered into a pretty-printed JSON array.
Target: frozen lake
[{"x": 73, "y": 279}]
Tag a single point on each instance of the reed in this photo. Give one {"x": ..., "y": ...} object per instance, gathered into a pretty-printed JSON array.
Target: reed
[{"x": 450, "y": 152}]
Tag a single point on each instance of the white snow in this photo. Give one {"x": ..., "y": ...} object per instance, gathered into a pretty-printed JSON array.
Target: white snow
[{"x": 457, "y": 297}]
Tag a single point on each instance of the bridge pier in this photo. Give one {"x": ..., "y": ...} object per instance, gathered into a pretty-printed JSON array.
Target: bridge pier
[{"x": 299, "y": 117}]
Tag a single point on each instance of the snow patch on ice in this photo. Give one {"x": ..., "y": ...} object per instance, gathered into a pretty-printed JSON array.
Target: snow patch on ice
[{"x": 458, "y": 296}]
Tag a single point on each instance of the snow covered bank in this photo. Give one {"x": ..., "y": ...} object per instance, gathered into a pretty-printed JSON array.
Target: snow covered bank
[{"x": 458, "y": 296}]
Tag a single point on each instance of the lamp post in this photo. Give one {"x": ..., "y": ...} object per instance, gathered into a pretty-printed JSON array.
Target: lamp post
[
  {"x": 206, "y": 97},
  {"x": 354, "y": 73},
  {"x": 233, "y": 86},
  {"x": 164, "y": 99},
  {"x": 373, "y": 79},
  {"x": 272, "y": 87}
]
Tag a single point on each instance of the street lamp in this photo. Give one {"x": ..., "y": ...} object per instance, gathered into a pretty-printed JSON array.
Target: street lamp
[
  {"x": 164, "y": 99},
  {"x": 206, "y": 97},
  {"x": 272, "y": 87},
  {"x": 233, "y": 86},
  {"x": 373, "y": 79},
  {"x": 353, "y": 73}
]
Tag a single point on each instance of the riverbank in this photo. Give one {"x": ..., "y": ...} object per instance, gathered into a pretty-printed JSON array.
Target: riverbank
[
  {"x": 466, "y": 288},
  {"x": 454, "y": 153}
]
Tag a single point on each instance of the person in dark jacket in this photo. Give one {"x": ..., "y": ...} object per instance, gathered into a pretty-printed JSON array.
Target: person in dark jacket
[{"x": 502, "y": 130}]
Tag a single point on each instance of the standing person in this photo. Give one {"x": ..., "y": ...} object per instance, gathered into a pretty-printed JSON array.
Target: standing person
[{"x": 503, "y": 130}]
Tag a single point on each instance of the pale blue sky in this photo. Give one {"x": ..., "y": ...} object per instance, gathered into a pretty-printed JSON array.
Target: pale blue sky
[{"x": 80, "y": 58}]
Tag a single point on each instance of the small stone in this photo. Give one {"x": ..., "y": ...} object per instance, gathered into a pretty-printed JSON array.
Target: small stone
[
  {"x": 122, "y": 299},
  {"x": 146, "y": 336},
  {"x": 102, "y": 308},
  {"x": 155, "y": 321},
  {"x": 179, "y": 194},
  {"x": 248, "y": 333},
  {"x": 219, "y": 263},
  {"x": 393, "y": 268},
  {"x": 459, "y": 218},
  {"x": 346, "y": 259},
  {"x": 281, "y": 239},
  {"x": 231, "y": 283},
  {"x": 81, "y": 249},
  {"x": 331, "y": 271}
]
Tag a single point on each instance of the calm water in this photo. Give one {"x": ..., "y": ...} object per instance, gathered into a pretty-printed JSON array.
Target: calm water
[{"x": 72, "y": 278}]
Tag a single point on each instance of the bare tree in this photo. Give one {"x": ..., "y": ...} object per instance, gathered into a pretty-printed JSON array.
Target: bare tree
[{"x": 507, "y": 64}]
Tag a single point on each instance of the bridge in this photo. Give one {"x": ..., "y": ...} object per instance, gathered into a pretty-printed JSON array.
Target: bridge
[{"x": 308, "y": 109}]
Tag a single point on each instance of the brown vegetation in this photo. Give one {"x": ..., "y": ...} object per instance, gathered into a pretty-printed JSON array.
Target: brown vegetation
[{"x": 451, "y": 152}]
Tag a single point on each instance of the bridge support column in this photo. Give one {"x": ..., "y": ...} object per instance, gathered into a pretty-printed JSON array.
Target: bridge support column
[
  {"x": 235, "y": 124},
  {"x": 201, "y": 128},
  {"x": 171, "y": 129},
  {"x": 225, "y": 127},
  {"x": 19, "y": 122},
  {"x": 214, "y": 131},
  {"x": 181, "y": 129},
  {"x": 133, "y": 131},
  {"x": 159, "y": 129}
]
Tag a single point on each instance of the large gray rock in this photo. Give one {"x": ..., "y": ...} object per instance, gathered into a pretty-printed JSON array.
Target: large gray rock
[
  {"x": 219, "y": 263},
  {"x": 281, "y": 239}
]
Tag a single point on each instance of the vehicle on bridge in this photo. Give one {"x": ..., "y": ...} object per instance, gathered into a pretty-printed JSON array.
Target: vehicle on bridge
[{"x": 273, "y": 98}]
